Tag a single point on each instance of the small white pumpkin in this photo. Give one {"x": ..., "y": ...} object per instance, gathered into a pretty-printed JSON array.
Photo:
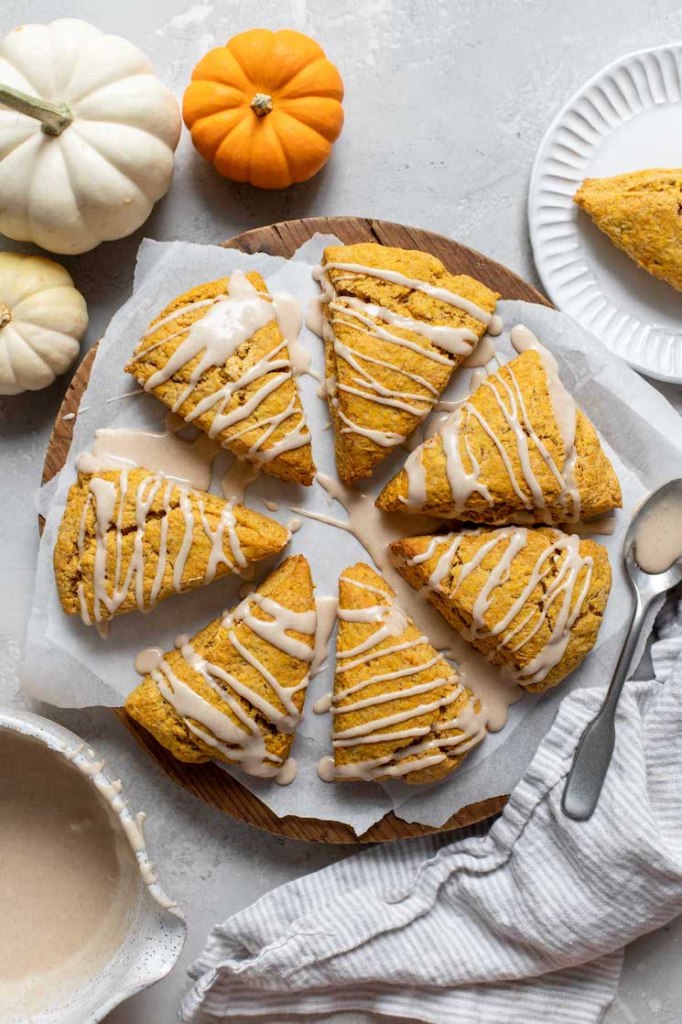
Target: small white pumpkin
[
  {"x": 86, "y": 161},
  {"x": 42, "y": 320}
]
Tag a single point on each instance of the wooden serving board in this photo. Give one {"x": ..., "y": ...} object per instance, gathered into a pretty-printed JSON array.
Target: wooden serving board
[{"x": 208, "y": 781}]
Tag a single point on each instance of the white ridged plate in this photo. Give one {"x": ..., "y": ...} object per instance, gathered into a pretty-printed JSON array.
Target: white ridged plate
[{"x": 628, "y": 117}]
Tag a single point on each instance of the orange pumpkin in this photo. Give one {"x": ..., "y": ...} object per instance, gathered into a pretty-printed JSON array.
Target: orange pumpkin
[{"x": 265, "y": 108}]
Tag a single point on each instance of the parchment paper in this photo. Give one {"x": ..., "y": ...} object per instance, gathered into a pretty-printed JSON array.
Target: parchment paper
[{"x": 70, "y": 665}]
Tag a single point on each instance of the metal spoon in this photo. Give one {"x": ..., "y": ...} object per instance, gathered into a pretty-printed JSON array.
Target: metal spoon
[{"x": 594, "y": 751}]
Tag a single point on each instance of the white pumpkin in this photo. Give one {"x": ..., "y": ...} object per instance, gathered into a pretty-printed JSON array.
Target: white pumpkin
[
  {"x": 88, "y": 163},
  {"x": 42, "y": 320}
]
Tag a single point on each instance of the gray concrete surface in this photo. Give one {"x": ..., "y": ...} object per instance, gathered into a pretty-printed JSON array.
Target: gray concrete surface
[{"x": 446, "y": 104}]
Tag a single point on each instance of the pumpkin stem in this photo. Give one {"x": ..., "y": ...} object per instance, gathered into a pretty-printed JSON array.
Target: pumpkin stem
[
  {"x": 5, "y": 315},
  {"x": 55, "y": 117},
  {"x": 261, "y": 104}
]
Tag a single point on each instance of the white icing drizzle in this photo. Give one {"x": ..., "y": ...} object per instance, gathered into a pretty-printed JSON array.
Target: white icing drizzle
[
  {"x": 367, "y": 318},
  {"x": 240, "y": 738},
  {"x": 212, "y": 339},
  {"x": 395, "y": 277},
  {"x": 107, "y": 499},
  {"x": 430, "y": 746},
  {"x": 465, "y": 482},
  {"x": 560, "y": 563}
]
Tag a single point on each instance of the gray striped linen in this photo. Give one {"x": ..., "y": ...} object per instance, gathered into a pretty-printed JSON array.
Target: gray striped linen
[{"x": 524, "y": 923}]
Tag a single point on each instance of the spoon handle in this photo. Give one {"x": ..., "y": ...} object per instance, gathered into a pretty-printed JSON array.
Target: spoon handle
[{"x": 593, "y": 753}]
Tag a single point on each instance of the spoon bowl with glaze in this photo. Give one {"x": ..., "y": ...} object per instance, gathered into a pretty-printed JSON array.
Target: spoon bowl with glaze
[{"x": 652, "y": 552}]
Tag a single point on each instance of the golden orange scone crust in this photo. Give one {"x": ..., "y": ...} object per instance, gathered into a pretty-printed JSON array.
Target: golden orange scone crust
[
  {"x": 502, "y": 494},
  {"x": 186, "y": 538},
  {"x": 640, "y": 213},
  {"x": 457, "y": 570},
  {"x": 244, "y": 702},
  {"x": 399, "y": 373},
  {"x": 428, "y": 711},
  {"x": 266, "y": 425}
]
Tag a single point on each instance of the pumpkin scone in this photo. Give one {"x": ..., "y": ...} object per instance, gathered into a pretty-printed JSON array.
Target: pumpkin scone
[
  {"x": 395, "y": 325},
  {"x": 235, "y": 691},
  {"x": 531, "y": 600},
  {"x": 130, "y": 538},
  {"x": 216, "y": 356},
  {"x": 400, "y": 710},
  {"x": 517, "y": 450},
  {"x": 640, "y": 212}
]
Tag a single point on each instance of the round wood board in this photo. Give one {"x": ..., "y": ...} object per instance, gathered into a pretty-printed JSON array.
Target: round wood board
[{"x": 208, "y": 781}]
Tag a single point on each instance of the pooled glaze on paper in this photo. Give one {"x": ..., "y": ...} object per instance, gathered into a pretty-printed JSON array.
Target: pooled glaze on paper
[
  {"x": 290, "y": 319},
  {"x": 147, "y": 660},
  {"x": 326, "y": 607},
  {"x": 483, "y": 354},
  {"x": 237, "y": 479},
  {"x": 188, "y": 463},
  {"x": 69, "y": 879}
]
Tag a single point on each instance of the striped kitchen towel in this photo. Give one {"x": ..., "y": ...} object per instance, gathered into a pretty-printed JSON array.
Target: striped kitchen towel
[{"x": 522, "y": 925}]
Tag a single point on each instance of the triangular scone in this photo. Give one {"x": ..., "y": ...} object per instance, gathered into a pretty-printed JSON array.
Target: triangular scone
[
  {"x": 129, "y": 538},
  {"x": 531, "y": 600},
  {"x": 235, "y": 691},
  {"x": 217, "y": 357},
  {"x": 399, "y": 709},
  {"x": 517, "y": 450},
  {"x": 394, "y": 329},
  {"x": 640, "y": 213}
]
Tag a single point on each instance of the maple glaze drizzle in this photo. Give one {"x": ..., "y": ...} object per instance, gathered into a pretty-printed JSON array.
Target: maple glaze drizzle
[
  {"x": 558, "y": 568},
  {"x": 426, "y": 746},
  {"x": 462, "y": 468},
  {"x": 107, "y": 501},
  {"x": 368, "y": 318},
  {"x": 212, "y": 339},
  {"x": 241, "y": 739}
]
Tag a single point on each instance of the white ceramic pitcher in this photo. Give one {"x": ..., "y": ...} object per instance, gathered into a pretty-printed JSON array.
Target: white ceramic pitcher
[{"x": 156, "y": 931}]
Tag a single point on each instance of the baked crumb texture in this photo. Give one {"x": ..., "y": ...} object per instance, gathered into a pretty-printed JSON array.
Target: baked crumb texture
[
  {"x": 641, "y": 213},
  {"x": 130, "y": 538},
  {"x": 379, "y": 390},
  {"x": 399, "y": 709},
  {"x": 257, "y": 376},
  {"x": 504, "y": 450},
  {"x": 531, "y": 600},
  {"x": 234, "y": 693}
]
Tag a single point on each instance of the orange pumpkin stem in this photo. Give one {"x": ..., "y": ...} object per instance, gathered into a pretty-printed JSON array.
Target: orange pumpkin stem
[
  {"x": 261, "y": 104},
  {"x": 5, "y": 315}
]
